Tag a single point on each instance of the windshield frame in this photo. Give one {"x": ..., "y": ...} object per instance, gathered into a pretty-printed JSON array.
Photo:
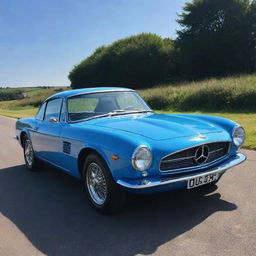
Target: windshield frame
[{"x": 107, "y": 114}]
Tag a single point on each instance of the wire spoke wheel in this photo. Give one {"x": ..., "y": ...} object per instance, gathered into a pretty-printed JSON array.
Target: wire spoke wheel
[
  {"x": 96, "y": 183},
  {"x": 29, "y": 155}
]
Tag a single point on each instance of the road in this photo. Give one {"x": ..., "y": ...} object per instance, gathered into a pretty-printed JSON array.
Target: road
[{"x": 46, "y": 213}]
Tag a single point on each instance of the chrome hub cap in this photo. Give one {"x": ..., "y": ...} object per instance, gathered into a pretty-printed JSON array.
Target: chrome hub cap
[
  {"x": 28, "y": 152},
  {"x": 96, "y": 183}
]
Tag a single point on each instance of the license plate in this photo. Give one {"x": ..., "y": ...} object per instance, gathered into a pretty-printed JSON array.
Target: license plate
[{"x": 202, "y": 180}]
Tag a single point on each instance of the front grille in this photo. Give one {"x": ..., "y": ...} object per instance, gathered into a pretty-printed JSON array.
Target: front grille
[{"x": 187, "y": 157}]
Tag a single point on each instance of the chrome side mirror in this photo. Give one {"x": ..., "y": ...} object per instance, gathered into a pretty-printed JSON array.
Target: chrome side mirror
[{"x": 53, "y": 120}]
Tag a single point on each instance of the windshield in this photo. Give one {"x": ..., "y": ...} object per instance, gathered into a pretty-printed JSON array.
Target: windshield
[{"x": 92, "y": 105}]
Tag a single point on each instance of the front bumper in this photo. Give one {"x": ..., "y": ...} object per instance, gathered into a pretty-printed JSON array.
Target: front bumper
[{"x": 220, "y": 169}]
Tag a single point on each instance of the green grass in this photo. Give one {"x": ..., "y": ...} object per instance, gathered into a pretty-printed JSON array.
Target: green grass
[
  {"x": 232, "y": 94},
  {"x": 19, "y": 113}
]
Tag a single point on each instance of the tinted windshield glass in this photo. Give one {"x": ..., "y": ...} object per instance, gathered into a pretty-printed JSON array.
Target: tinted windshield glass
[{"x": 96, "y": 104}]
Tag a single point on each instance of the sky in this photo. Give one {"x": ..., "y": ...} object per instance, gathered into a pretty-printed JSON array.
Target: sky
[{"x": 41, "y": 40}]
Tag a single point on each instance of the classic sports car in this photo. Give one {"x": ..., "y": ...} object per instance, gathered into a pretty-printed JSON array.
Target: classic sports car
[{"x": 112, "y": 140}]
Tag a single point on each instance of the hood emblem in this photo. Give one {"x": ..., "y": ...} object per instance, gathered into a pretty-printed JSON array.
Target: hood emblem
[
  {"x": 199, "y": 137},
  {"x": 202, "y": 154}
]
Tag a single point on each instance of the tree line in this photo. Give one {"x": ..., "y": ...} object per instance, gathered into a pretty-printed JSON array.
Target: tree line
[{"x": 216, "y": 38}]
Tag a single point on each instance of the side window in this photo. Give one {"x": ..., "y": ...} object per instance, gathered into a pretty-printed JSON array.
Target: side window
[
  {"x": 52, "y": 109},
  {"x": 63, "y": 113},
  {"x": 40, "y": 113}
]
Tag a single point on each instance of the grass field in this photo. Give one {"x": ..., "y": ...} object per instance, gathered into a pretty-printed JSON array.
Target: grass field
[
  {"x": 232, "y": 94},
  {"x": 233, "y": 98},
  {"x": 19, "y": 112}
]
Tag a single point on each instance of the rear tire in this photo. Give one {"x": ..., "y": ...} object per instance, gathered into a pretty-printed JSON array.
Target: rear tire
[
  {"x": 31, "y": 161},
  {"x": 103, "y": 192}
]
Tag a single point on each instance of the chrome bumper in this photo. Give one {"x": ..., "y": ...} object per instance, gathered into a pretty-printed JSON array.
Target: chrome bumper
[{"x": 231, "y": 162}]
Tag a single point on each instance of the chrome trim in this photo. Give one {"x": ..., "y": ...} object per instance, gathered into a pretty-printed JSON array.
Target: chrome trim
[
  {"x": 188, "y": 157},
  {"x": 51, "y": 120},
  {"x": 134, "y": 153},
  {"x": 196, "y": 167},
  {"x": 216, "y": 150},
  {"x": 202, "y": 165},
  {"x": 195, "y": 146},
  {"x": 221, "y": 169},
  {"x": 177, "y": 159}
]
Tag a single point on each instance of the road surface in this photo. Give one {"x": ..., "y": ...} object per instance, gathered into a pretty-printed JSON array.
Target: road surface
[{"x": 46, "y": 213}]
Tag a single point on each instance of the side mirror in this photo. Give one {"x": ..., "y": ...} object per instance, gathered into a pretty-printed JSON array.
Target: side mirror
[{"x": 53, "y": 120}]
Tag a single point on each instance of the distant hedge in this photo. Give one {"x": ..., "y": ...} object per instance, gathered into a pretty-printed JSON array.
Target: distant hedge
[
  {"x": 139, "y": 61},
  {"x": 9, "y": 94}
]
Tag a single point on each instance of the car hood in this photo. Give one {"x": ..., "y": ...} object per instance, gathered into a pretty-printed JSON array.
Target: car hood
[{"x": 158, "y": 126}]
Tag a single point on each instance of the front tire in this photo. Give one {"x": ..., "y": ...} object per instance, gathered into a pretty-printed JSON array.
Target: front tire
[
  {"x": 103, "y": 192},
  {"x": 32, "y": 163}
]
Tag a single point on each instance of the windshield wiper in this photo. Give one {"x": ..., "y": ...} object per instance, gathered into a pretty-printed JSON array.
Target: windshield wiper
[
  {"x": 113, "y": 113},
  {"x": 124, "y": 112}
]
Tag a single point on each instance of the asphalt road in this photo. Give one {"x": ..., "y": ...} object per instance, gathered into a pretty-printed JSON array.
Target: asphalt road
[{"x": 46, "y": 213}]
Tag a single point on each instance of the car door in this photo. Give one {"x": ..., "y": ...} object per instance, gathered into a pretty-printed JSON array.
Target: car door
[
  {"x": 46, "y": 135},
  {"x": 36, "y": 124}
]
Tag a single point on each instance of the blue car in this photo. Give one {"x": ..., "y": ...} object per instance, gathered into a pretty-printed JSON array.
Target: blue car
[{"x": 111, "y": 140}]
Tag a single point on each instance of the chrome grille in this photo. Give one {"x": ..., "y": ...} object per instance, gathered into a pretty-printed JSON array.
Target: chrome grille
[{"x": 186, "y": 158}]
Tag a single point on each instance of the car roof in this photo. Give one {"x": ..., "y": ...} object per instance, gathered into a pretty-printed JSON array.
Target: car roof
[{"x": 69, "y": 93}]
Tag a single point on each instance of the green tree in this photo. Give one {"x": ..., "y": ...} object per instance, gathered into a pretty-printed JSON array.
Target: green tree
[
  {"x": 217, "y": 37},
  {"x": 138, "y": 61}
]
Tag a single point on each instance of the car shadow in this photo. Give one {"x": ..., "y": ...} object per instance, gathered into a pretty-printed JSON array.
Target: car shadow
[{"x": 49, "y": 207}]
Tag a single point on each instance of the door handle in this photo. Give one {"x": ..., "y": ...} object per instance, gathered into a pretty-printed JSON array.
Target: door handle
[{"x": 35, "y": 128}]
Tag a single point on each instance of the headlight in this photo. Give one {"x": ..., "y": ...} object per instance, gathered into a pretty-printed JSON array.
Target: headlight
[
  {"x": 238, "y": 136},
  {"x": 142, "y": 158}
]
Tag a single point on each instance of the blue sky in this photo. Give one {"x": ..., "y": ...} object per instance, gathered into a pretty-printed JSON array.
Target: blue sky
[{"x": 41, "y": 40}]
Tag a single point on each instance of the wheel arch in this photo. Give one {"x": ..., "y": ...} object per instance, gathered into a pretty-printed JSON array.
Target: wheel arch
[
  {"x": 83, "y": 154},
  {"x": 22, "y": 136}
]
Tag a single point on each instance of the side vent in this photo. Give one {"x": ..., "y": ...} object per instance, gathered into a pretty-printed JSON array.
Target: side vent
[{"x": 66, "y": 147}]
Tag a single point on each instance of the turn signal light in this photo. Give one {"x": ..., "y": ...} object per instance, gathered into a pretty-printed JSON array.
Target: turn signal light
[{"x": 115, "y": 157}]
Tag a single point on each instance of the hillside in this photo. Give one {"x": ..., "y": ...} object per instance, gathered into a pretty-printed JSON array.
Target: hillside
[{"x": 232, "y": 94}]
